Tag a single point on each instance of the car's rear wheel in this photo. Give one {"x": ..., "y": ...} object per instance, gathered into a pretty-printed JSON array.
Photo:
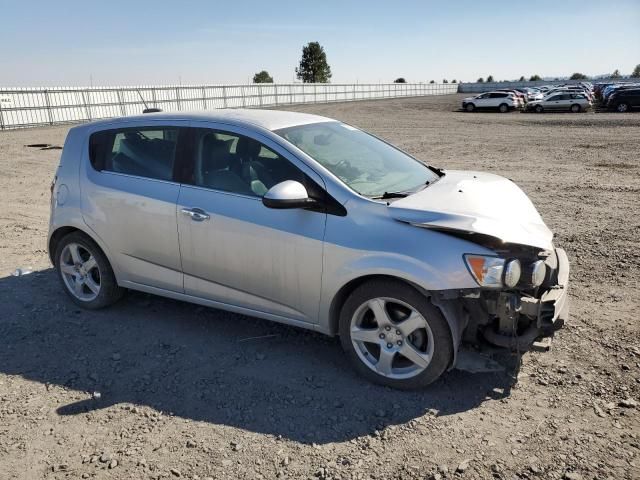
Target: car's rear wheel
[
  {"x": 575, "y": 108},
  {"x": 539, "y": 109},
  {"x": 85, "y": 272},
  {"x": 622, "y": 107},
  {"x": 394, "y": 335},
  {"x": 504, "y": 108},
  {"x": 470, "y": 107}
]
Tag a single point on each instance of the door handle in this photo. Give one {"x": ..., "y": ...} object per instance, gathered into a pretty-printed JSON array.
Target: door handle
[{"x": 196, "y": 214}]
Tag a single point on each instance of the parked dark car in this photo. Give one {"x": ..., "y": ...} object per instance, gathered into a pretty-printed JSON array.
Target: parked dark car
[{"x": 624, "y": 100}]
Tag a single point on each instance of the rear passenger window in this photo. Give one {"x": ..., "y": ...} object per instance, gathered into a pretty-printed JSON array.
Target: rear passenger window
[{"x": 144, "y": 152}]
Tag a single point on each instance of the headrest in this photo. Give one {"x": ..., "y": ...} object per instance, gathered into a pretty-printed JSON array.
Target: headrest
[
  {"x": 248, "y": 149},
  {"x": 215, "y": 153}
]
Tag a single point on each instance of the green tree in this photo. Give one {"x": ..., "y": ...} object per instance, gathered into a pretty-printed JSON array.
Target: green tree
[
  {"x": 262, "y": 77},
  {"x": 480, "y": 80},
  {"x": 636, "y": 71},
  {"x": 432, "y": 81},
  {"x": 400, "y": 80},
  {"x": 616, "y": 74},
  {"x": 454, "y": 81},
  {"x": 522, "y": 79},
  {"x": 578, "y": 76},
  {"x": 535, "y": 78},
  {"x": 490, "y": 78},
  {"x": 313, "y": 66},
  {"x": 444, "y": 80}
]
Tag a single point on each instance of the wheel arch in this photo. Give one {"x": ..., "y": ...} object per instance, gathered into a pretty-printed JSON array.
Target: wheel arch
[
  {"x": 60, "y": 232},
  {"x": 450, "y": 311}
]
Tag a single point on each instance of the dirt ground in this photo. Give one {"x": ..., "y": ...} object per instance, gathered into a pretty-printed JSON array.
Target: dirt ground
[{"x": 153, "y": 388}]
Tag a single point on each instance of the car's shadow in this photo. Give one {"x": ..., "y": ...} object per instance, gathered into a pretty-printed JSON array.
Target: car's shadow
[{"x": 207, "y": 365}]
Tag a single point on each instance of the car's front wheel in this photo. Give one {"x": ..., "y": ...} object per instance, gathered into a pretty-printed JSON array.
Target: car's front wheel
[
  {"x": 539, "y": 109},
  {"x": 85, "y": 272},
  {"x": 394, "y": 335},
  {"x": 470, "y": 107},
  {"x": 622, "y": 107},
  {"x": 575, "y": 108}
]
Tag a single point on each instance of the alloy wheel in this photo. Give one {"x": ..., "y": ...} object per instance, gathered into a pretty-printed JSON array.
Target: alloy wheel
[
  {"x": 391, "y": 338},
  {"x": 80, "y": 272}
]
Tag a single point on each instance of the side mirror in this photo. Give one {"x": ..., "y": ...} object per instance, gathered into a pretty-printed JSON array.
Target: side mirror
[{"x": 287, "y": 194}]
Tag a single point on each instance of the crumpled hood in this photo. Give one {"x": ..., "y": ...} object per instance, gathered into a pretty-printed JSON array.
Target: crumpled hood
[{"x": 478, "y": 203}]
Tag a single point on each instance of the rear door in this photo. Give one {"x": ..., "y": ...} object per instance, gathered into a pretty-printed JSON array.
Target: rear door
[
  {"x": 633, "y": 97},
  {"x": 129, "y": 200},
  {"x": 553, "y": 102}
]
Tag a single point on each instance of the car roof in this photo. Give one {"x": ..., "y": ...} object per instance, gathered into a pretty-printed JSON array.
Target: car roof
[{"x": 267, "y": 119}]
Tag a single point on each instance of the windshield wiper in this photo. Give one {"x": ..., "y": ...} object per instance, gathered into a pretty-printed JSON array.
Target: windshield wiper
[
  {"x": 436, "y": 170},
  {"x": 387, "y": 195}
]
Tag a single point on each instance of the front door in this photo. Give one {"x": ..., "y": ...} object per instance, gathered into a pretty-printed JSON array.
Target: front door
[{"x": 236, "y": 251}]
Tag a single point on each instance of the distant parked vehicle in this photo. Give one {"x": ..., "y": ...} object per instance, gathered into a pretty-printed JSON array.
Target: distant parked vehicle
[
  {"x": 563, "y": 101},
  {"x": 571, "y": 89},
  {"x": 502, "y": 101},
  {"x": 531, "y": 93},
  {"x": 610, "y": 89},
  {"x": 522, "y": 98},
  {"x": 624, "y": 100}
]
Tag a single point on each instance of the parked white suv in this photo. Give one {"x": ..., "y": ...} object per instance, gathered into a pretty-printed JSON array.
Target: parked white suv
[{"x": 502, "y": 101}]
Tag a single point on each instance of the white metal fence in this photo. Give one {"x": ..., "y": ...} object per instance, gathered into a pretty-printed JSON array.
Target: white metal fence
[{"x": 29, "y": 107}]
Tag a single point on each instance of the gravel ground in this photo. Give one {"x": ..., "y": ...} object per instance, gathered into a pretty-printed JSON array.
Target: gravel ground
[{"x": 154, "y": 388}]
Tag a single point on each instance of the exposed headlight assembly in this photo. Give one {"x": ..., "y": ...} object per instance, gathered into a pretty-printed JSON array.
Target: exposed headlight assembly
[
  {"x": 494, "y": 272},
  {"x": 512, "y": 272},
  {"x": 538, "y": 273}
]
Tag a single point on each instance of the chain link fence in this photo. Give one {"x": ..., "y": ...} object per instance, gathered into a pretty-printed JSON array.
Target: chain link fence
[{"x": 30, "y": 107}]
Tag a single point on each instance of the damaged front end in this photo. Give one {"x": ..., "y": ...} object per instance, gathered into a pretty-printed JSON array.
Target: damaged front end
[{"x": 517, "y": 315}]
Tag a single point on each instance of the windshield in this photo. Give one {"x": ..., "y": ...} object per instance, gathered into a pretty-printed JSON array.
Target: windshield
[{"x": 368, "y": 165}]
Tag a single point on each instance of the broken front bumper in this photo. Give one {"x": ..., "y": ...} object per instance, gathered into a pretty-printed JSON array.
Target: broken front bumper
[{"x": 542, "y": 316}]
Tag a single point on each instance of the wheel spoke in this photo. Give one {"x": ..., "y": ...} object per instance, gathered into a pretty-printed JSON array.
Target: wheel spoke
[
  {"x": 412, "y": 323},
  {"x": 67, "y": 269},
  {"x": 89, "y": 264},
  {"x": 77, "y": 286},
  {"x": 75, "y": 253},
  {"x": 384, "y": 365},
  {"x": 377, "y": 306},
  {"x": 91, "y": 284},
  {"x": 411, "y": 353},
  {"x": 365, "y": 334}
]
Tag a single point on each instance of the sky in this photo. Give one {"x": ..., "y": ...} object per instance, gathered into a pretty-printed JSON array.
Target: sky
[{"x": 141, "y": 42}]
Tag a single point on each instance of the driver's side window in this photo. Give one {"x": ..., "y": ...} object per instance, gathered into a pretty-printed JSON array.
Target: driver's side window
[{"x": 238, "y": 164}]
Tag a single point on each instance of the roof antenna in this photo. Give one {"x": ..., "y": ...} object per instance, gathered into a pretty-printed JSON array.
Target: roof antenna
[{"x": 146, "y": 107}]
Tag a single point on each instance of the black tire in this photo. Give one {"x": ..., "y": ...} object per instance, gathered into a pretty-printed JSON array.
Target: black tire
[
  {"x": 503, "y": 108},
  {"x": 109, "y": 292},
  {"x": 442, "y": 340},
  {"x": 622, "y": 107},
  {"x": 470, "y": 107},
  {"x": 539, "y": 109},
  {"x": 575, "y": 108}
]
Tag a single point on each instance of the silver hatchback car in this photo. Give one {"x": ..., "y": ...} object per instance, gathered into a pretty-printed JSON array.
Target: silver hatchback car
[{"x": 311, "y": 222}]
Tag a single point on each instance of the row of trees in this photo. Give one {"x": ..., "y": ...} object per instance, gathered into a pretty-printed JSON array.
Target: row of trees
[
  {"x": 313, "y": 68},
  {"x": 576, "y": 76}
]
